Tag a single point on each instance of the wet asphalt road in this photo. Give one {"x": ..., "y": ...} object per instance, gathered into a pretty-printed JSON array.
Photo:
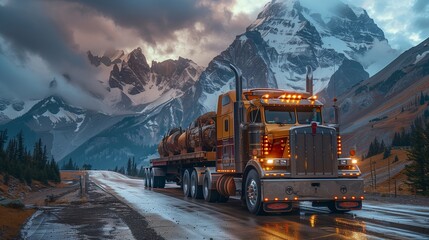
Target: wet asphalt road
[{"x": 173, "y": 216}]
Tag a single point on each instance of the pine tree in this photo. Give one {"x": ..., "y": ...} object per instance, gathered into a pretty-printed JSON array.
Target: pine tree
[
  {"x": 396, "y": 158},
  {"x": 418, "y": 171},
  {"x": 422, "y": 99},
  {"x": 141, "y": 172},
  {"x": 21, "y": 150},
  {"x": 386, "y": 153},
  {"x": 129, "y": 167}
]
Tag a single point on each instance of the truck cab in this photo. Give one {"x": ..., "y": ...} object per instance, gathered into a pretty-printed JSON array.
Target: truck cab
[{"x": 288, "y": 154}]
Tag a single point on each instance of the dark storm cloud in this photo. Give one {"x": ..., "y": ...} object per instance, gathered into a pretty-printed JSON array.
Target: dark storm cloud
[
  {"x": 29, "y": 30},
  {"x": 155, "y": 20},
  {"x": 39, "y": 49}
]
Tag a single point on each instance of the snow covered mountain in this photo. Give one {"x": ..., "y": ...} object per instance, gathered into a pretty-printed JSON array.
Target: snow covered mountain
[
  {"x": 136, "y": 86},
  {"x": 273, "y": 52},
  {"x": 11, "y": 109},
  {"x": 60, "y": 126},
  {"x": 286, "y": 37}
]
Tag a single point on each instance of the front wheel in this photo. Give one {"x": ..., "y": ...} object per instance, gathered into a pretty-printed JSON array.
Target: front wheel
[{"x": 253, "y": 193}]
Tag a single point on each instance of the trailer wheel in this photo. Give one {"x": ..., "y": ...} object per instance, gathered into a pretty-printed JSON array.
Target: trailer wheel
[
  {"x": 146, "y": 178},
  {"x": 186, "y": 182},
  {"x": 196, "y": 190},
  {"x": 153, "y": 183},
  {"x": 253, "y": 193},
  {"x": 209, "y": 195},
  {"x": 149, "y": 178},
  {"x": 332, "y": 208},
  {"x": 161, "y": 181}
]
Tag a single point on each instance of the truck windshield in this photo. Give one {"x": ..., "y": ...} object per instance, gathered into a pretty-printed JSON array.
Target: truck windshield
[
  {"x": 308, "y": 115},
  {"x": 280, "y": 115}
]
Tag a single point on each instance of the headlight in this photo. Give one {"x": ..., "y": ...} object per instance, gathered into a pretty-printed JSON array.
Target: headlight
[
  {"x": 354, "y": 161},
  {"x": 270, "y": 161}
]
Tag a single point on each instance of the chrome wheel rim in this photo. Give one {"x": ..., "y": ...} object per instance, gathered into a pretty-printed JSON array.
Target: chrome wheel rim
[
  {"x": 252, "y": 193},
  {"x": 206, "y": 189},
  {"x": 193, "y": 185},
  {"x": 185, "y": 182}
]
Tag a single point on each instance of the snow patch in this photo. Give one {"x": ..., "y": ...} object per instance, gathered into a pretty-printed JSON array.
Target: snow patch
[
  {"x": 79, "y": 124},
  {"x": 420, "y": 57},
  {"x": 62, "y": 115}
]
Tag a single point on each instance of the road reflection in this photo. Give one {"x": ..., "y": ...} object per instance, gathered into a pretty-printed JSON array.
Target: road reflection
[{"x": 313, "y": 226}]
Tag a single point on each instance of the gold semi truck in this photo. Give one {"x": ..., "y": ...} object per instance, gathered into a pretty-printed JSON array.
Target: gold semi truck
[{"x": 269, "y": 147}]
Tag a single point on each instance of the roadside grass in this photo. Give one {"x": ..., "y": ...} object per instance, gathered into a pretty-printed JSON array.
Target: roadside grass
[{"x": 11, "y": 221}]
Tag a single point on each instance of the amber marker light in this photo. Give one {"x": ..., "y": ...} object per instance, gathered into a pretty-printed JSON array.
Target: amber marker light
[
  {"x": 295, "y": 198},
  {"x": 336, "y": 198},
  {"x": 276, "y": 199},
  {"x": 265, "y": 199}
]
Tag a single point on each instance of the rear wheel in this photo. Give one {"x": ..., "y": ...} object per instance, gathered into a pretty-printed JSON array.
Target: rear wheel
[
  {"x": 253, "y": 193},
  {"x": 146, "y": 178},
  {"x": 150, "y": 177},
  {"x": 209, "y": 194},
  {"x": 153, "y": 183},
  {"x": 161, "y": 181},
  {"x": 196, "y": 190},
  {"x": 186, "y": 182}
]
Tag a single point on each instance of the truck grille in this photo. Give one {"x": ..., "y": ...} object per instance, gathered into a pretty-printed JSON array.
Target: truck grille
[{"x": 313, "y": 153}]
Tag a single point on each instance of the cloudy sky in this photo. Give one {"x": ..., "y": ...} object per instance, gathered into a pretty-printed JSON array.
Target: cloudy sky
[{"x": 40, "y": 40}]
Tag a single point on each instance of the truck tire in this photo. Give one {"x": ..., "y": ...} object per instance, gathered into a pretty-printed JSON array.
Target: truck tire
[
  {"x": 186, "y": 183},
  {"x": 209, "y": 194},
  {"x": 196, "y": 190},
  {"x": 146, "y": 178},
  {"x": 153, "y": 183},
  {"x": 253, "y": 193},
  {"x": 161, "y": 181}
]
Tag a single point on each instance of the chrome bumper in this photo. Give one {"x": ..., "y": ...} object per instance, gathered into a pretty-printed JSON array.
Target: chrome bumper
[{"x": 311, "y": 189}]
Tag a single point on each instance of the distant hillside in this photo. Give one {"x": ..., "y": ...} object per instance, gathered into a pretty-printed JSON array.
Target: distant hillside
[{"x": 388, "y": 101}]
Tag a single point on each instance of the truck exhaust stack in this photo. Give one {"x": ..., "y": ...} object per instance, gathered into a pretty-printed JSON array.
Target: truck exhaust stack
[
  {"x": 238, "y": 113},
  {"x": 309, "y": 80}
]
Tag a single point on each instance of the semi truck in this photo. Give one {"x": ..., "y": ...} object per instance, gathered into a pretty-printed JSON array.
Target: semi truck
[{"x": 268, "y": 147}]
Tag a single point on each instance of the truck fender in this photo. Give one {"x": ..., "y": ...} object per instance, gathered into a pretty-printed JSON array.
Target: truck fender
[{"x": 251, "y": 164}]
